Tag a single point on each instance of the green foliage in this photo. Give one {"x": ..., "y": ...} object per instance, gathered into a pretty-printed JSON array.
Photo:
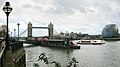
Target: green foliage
[
  {"x": 43, "y": 57},
  {"x": 73, "y": 63}
]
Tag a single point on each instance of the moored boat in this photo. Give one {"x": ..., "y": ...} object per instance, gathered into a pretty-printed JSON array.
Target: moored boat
[
  {"x": 95, "y": 42},
  {"x": 57, "y": 43}
]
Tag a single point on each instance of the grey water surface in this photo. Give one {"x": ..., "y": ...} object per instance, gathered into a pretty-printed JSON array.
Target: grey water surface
[{"x": 105, "y": 55}]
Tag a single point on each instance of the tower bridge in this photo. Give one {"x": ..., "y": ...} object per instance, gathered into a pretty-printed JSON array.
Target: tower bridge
[
  {"x": 51, "y": 32},
  {"x": 30, "y": 28}
]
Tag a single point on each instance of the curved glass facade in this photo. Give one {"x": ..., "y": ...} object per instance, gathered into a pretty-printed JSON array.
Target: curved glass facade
[{"x": 110, "y": 30}]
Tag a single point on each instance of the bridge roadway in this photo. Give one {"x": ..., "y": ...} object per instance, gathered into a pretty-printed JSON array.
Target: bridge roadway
[{"x": 41, "y": 27}]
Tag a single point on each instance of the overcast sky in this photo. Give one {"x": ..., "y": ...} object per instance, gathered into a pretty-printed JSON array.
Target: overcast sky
[{"x": 85, "y": 16}]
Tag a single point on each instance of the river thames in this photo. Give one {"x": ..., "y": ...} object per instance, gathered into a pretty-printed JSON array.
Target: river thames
[{"x": 105, "y": 55}]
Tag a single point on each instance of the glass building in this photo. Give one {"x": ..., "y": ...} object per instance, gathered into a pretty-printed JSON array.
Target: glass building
[{"x": 109, "y": 31}]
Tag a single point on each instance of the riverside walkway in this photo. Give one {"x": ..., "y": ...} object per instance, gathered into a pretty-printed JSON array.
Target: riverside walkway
[{"x": 14, "y": 57}]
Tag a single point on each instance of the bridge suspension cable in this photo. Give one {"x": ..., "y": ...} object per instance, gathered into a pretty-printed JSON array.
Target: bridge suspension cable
[
  {"x": 55, "y": 32},
  {"x": 23, "y": 32}
]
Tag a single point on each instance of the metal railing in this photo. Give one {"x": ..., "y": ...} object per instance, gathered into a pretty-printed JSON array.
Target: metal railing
[
  {"x": 15, "y": 46},
  {"x": 2, "y": 49},
  {"x": 2, "y": 52}
]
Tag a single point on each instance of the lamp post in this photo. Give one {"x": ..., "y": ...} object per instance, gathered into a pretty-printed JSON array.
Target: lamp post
[
  {"x": 7, "y": 9},
  {"x": 11, "y": 35},
  {"x": 14, "y": 32},
  {"x": 18, "y": 31}
]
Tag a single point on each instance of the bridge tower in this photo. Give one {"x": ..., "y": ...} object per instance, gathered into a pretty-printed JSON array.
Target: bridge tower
[
  {"x": 50, "y": 30},
  {"x": 29, "y": 30}
]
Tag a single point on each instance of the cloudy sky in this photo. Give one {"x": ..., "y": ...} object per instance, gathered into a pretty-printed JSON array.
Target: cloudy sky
[{"x": 85, "y": 16}]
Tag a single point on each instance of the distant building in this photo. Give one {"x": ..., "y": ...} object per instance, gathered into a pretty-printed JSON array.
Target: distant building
[
  {"x": 3, "y": 29},
  {"x": 110, "y": 31}
]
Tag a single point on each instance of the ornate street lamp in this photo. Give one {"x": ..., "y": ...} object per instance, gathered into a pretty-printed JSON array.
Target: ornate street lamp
[
  {"x": 7, "y": 9},
  {"x": 18, "y": 31}
]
